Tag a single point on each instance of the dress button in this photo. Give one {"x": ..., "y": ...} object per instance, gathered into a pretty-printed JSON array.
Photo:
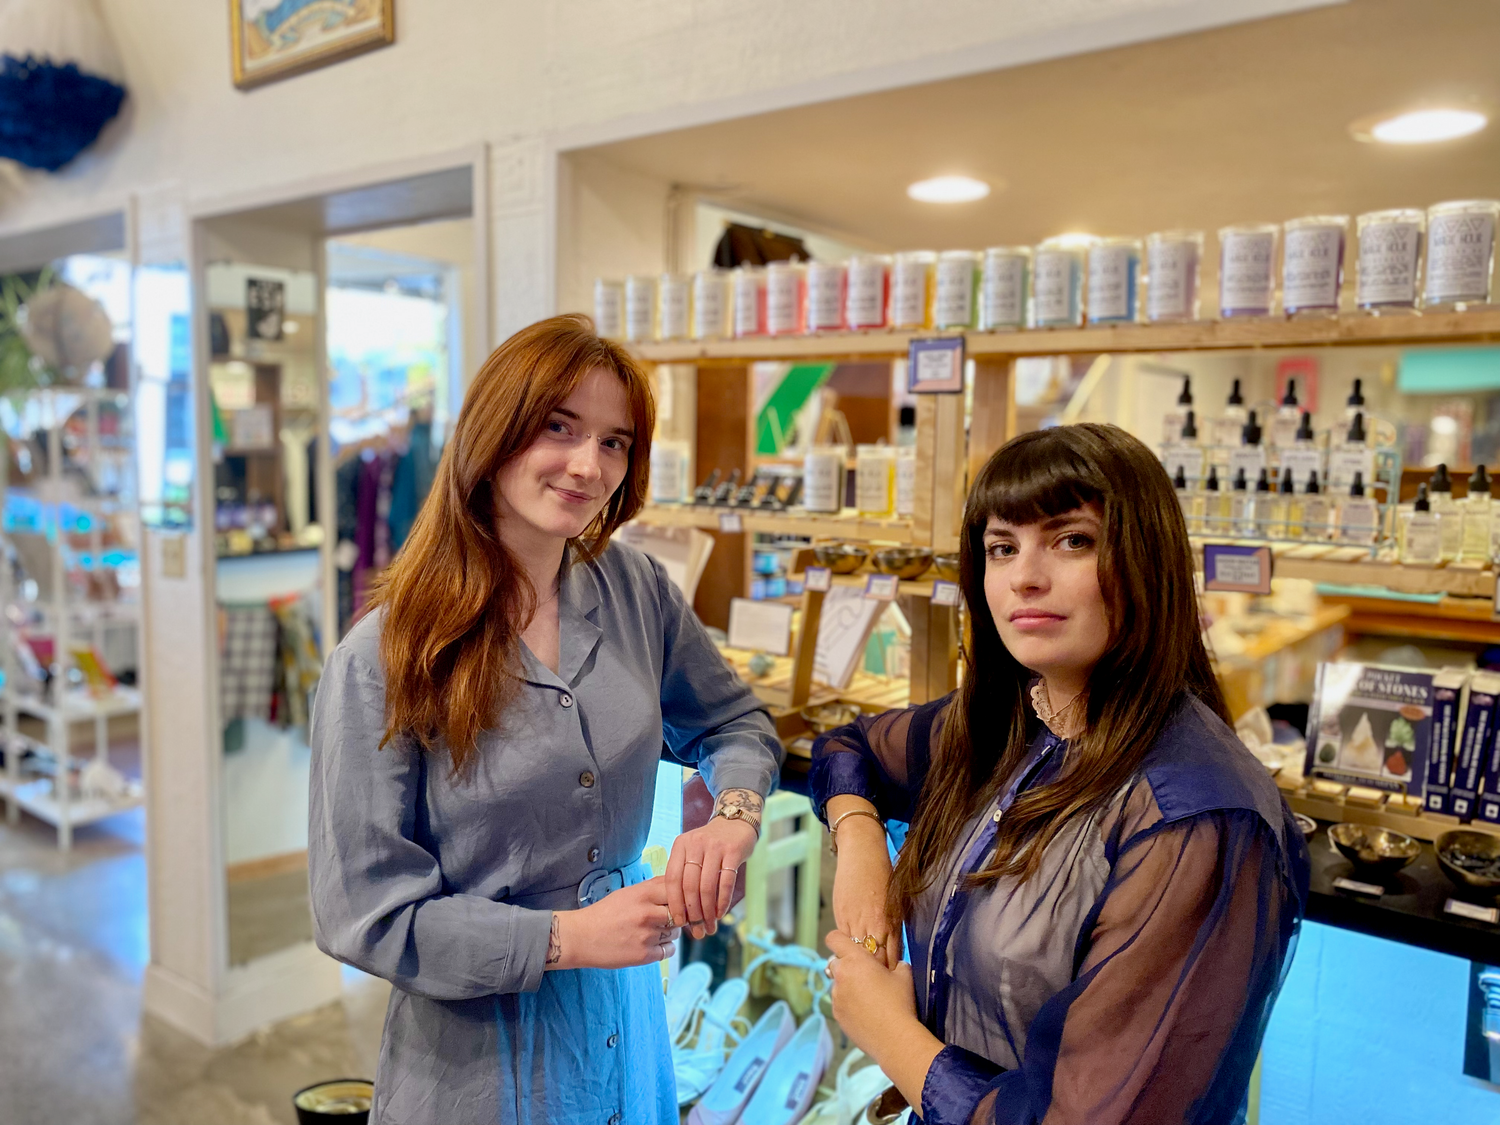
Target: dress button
[
  {"x": 586, "y": 779},
  {"x": 566, "y": 700},
  {"x": 593, "y": 855},
  {"x": 612, "y": 1040}
]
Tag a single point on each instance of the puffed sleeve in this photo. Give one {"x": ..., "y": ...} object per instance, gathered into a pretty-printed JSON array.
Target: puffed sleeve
[
  {"x": 378, "y": 898},
  {"x": 1162, "y": 1023},
  {"x": 882, "y": 758},
  {"x": 710, "y": 717}
]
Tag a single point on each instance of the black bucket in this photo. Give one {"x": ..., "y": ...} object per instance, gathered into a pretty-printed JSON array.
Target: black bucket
[{"x": 342, "y": 1101}]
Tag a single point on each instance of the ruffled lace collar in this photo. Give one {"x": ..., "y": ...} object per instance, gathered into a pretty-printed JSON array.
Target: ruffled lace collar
[{"x": 1065, "y": 723}]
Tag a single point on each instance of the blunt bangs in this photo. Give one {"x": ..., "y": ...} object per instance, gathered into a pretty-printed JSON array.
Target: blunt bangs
[{"x": 1038, "y": 476}]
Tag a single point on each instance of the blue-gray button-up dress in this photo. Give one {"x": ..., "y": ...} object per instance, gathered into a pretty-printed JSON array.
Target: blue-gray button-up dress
[{"x": 445, "y": 886}]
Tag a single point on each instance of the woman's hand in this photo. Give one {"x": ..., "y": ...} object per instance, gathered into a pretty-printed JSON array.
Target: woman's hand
[
  {"x": 860, "y": 880},
  {"x": 703, "y": 866},
  {"x": 625, "y": 928}
]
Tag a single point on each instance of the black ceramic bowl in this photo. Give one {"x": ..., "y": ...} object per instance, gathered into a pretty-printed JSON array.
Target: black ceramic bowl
[
  {"x": 1378, "y": 851},
  {"x": 1471, "y": 859},
  {"x": 1307, "y": 824},
  {"x": 343, "y": 1101}
]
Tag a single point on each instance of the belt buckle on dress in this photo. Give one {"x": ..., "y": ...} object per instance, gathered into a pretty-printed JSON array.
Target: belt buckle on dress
[{"x": 595, "y": 885}]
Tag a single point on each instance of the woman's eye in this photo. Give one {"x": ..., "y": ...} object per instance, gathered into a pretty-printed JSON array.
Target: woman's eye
[
  {"x": 1077, "y": 541},
  {"x": 1001, "y": 550},
  {"x": 617, "y": 444},
  {"x": 556, "y": 427}
]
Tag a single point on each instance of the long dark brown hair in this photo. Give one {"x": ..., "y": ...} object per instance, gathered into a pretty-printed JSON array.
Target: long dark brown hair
[
  {"x": 1155, "y": 658},
  {"x": 455, "y": 599}
]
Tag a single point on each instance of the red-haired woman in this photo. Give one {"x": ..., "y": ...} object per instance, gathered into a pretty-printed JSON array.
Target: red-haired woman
[
  {"x": 1101, "y": 887},
  {"x": 485, "y": 745}
]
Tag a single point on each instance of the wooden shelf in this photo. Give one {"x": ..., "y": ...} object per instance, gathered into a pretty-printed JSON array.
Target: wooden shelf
[
  {"x": 1218, "y": 335},
  {"x": 37, "y": 798},
  {"x": 1351, "y": 566},
  {"x": 849, "y": 525},
  {"x": 919, "y": 588}
]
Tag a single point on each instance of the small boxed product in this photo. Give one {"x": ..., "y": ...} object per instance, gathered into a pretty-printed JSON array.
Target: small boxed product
[
  {"x": 1371, "y": 726},
  {"x": 1488, "y": 806},
  {"x": 1447, "y": 697},
  {"x": 1475, "y": 745}
]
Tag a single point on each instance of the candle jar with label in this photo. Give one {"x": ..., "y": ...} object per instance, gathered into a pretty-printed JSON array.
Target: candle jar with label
[
  {"x": 1057, "y": 282},
  {"x": 1389, "y": 270},
  {"x": 1004, "y": 288},
  {"x": 956, "y": 298},
  {"x": 670, "y": 478},
  {"x": 747, "y": 288},
  {"x": 912, "y": 284},
  {"x": 1461, "y": 254},
  {"x": 906, "y": 480},
  {"x": 786, "y": 299},
  {"x": 1247, "y": 276},
  {"x": 710, "y": 305},
  {"x": 825, "y": 296},
  {"x": 1114, "y": 280},
  {"x": 867, "y": 292},
  {"x": 1312, "y": 264},
  {"x": 875, "y": 479},
  {"x": 640, "y": 308},
  {"x": 1172, "y": 260},
  {"x": 823, "y": 478},
  {"x": 673, "y": 321},
  {"x": 609, "y": 309}
]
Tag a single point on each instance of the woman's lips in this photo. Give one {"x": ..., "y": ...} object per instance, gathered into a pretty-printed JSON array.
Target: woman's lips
[
  {"x": 573, "y": 497},
  {"x": 1034, "y": 620}
]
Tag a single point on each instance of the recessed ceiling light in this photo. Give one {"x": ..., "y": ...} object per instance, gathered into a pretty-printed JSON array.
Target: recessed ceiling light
[
  {"x": 948, "y": 189},
  {"x": 1420, "y": 127}
]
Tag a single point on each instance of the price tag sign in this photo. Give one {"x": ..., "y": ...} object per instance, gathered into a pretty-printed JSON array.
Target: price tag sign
[
  {"x": 1471, "y": 911},
  {"x": 1304, "y": 461},
  {"x": 817, "y": 578},
  {"x": 882, "y": 587},
  {"x": 1359, "y": 888},
  {"x": 944, "y": 593},
  {"x": 936, "y": 366},
  {"x": 1237, "y": 568},
  {"x": 730, "y": 523}
]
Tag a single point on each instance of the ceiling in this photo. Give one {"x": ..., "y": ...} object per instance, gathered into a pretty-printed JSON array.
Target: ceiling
[{"x": 1249, "y": 122}]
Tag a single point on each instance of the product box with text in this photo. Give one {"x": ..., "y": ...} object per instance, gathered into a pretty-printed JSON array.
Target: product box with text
[
  {"x": 1447, "y": 697},
  {"x": 1475, "y": 744},
  {"x": 1371, "y": 725}
]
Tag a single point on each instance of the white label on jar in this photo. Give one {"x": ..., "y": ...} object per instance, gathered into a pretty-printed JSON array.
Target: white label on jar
[
  {"x": 1388, "y": 256},
  {"x": 1251, "y": 458},
  {"x": 1303, "y": 461},
  {"x": 909, "y": 294},
  {"x": 1003, "y": 293},
  {"x": 674, "y": 309},
  {"x": 906, "y": 485},
  {"x": 1054, "y": 287},
  {"x": 668, "y": 479},
  {"x": 1112, "y": 283},
  {"x": 783, "y": 294},
  {"x": 872, "y": 485},
  {"x": 1312, "y": 261},
  {"x": 1344, "y": 463},
  {"x": 747, "y": 310},
  {"x": 823, "y": 482},
  {"x": 954, "y": 306},
  {"x": 825, "y": 297},
  {"x": 866, "y": 307},
  {"x": 1459, "y": 250},
  {"x": 1245, "y": 273},
  {"x": 708, "y": 306},
  {"x": 640, "y": 310},
  {"x": 609, "y": 309},
  {"x": 1171, "y": 280}
]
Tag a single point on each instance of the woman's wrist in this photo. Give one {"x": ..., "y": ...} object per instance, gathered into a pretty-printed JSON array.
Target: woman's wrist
[
  {"x": 744, "y": 805},
  {"x": 562, "y": 940},
  {"x": 905, "y": 1051}
]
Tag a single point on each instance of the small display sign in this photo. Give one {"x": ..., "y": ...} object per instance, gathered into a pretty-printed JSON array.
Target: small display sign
[
  {"x": 944, "y": 593},
  {"x": 818, "y": 579},
  {"x": 1472, "y": 911},
  {"x": 936, "y": 366},
  {"x": 1237, "y": 568},
  {"x": 882, "y": 587},
  {"x": 1359, "y": 888},
  {"x": 265, "y": 308},
  {"x": 730, "y": 523}
]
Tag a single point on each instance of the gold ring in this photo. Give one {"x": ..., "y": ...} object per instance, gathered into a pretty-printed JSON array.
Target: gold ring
[
  {"x": 671, "y": 922},
  {"x": 868, "y": 941},
  {"x": 828, "y": 968},
  {"x": 694, "y": 862}
]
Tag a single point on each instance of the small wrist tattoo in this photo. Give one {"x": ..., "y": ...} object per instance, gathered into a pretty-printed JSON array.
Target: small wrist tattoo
[
  {"x": 554, "y": 943},
  {"x": 741, "y": 804}
]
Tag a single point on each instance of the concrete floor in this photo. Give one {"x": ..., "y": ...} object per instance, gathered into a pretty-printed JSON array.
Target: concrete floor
[{"x": 75, "y": 1047}]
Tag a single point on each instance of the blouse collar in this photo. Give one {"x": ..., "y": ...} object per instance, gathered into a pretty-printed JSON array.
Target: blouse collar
[{"x": 1066, "y": 723}]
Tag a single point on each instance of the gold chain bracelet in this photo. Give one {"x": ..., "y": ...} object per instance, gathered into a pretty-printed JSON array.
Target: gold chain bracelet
[{"x": 833, "y": 829}]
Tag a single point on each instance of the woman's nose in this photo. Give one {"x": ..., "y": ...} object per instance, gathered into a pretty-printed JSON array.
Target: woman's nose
[
  {"x": 584, "y": 463},
  {"x": 1028, "y": 573}
]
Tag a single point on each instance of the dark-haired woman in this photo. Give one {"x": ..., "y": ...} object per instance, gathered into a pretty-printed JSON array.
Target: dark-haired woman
[
  {"x": 485, "y": 748},
  {"x": 1101, "y": 888}
]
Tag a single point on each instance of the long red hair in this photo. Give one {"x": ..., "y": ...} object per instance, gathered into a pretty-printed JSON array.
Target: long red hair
[{"x": 455, "y": 600}]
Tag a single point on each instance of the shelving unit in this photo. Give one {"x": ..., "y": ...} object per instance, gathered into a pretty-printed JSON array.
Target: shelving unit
[{"x": 47, "y": 790}]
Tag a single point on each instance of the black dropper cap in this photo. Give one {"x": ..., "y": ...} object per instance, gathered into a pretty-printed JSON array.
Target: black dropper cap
[
  {"x": 1180, "y": 480},
  {"x": 1357, "y": 429},
  {"x": 1263, "y": 484},
  {"x": 1357, "y": 486},
  {"x": 1240, "y": 483},
  {"x": 1250, "y": 435},
  {"x": 1212, "y": 483},
  {"x": 1422, "y": 504},
  {"x": 1305, "y": 430},
  {"x": 1235, "y": 398},
  {"x": 1288, "y": 486},
  {"x": 1312, "y": 482},
  {"x": 1290, "y": 398},
  {"x": 1441, "y": 481},
  {"x": 1186, "y": 397},
  {"x": 1189, "y": 427},
  {"x": 1479, "y": 483},
  {"x": 1357, "y": 397}
]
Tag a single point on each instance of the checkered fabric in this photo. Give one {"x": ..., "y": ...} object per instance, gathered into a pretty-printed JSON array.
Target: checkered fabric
[{"x": 247, "y": 664}]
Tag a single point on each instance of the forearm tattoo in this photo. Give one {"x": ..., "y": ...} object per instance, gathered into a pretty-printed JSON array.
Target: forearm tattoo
[
  {"x": 748, "y": 800},
  {"x": 554, "y": 943}
]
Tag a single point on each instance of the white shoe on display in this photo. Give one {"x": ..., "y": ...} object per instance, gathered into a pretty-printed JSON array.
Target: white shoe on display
[
  {"x": 790, "y": 1084},
  {"x": 852, "y": 1092},
  {"x": 746, "y": 1068},
  {"x": 687, "y": 990},
  {"x": 720, "y": 1029}
]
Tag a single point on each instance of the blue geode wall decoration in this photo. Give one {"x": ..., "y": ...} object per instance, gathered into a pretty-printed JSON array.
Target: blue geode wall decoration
[{"x": 51, "y": 111}]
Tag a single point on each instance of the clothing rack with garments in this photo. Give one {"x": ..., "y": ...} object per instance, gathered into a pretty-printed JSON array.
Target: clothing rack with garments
[{"x": 270, "y": 660}]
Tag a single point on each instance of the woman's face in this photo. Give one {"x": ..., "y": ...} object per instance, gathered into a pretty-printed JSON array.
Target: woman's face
[
  {"x": 1041, "y": 581},
  {"x": 561, "y": 482}
]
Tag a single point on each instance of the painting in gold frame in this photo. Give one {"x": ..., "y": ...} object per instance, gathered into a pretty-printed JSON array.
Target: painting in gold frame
[{"x": 274, "y": 39}]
